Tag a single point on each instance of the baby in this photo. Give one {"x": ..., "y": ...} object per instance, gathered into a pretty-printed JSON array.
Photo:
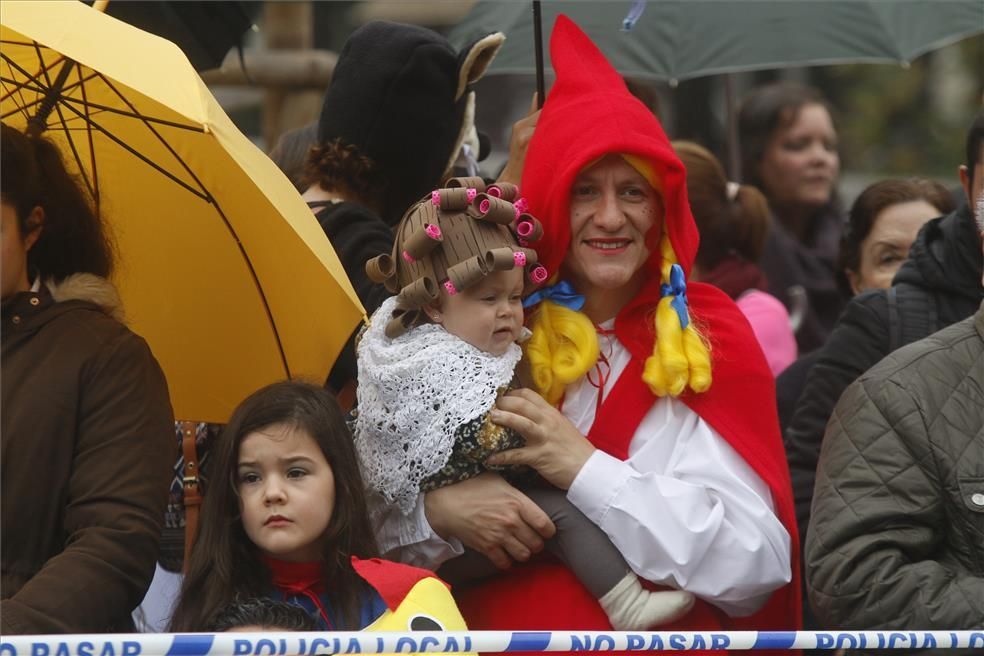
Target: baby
[{"x": 435, "y": 358}]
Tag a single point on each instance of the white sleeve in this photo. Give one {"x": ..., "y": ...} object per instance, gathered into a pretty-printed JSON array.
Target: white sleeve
[
  {"x": 687, "y": 511},
  {"x": 409, "y": 538}
]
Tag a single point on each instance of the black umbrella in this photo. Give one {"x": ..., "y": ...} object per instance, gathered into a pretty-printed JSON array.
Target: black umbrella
[
  {"x": 205, "y": 31},
  {"x": 677, "y": 40}
]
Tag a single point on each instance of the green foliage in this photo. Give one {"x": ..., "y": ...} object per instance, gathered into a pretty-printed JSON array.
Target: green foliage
[{"x": 893, "y": 120}]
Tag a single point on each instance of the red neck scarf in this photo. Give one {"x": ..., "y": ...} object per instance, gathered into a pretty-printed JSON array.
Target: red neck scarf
[{"x": 299, "y": 579}]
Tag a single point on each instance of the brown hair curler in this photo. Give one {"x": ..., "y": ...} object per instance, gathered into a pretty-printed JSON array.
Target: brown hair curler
[
  {"x": 420, "y": 292},
  {"x": 473, "y": 182},
  {"x": 453, "y": 199},
  {"x": 503, "y": 259},
  {"x": 490, "y": 208},
  {"x": 528, "y": 228},
  {"x": 465, "y": 274},
  {"x": 421, "y": 242},
  {"x": 382, "y": 269},
  {"x": 401, "y": 321},
  {"x": 504, "y": 190},
  {"x": 525, "y": 257}
]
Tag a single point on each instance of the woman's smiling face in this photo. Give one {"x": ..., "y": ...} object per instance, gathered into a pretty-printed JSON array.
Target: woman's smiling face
[{"x": 613, "y": 209}]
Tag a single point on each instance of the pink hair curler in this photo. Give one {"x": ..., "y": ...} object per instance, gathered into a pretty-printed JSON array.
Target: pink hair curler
[
  {"x": 490, "y": 208},
  {"x": 537, "y": 274},
  {"x": 421, "y": 242},
  {"x": 528, "y": 228},
  {"x": 503, "y": 190}
]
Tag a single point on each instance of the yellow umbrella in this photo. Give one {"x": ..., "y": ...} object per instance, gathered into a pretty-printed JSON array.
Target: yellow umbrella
[{"x": 222, "y": 267}]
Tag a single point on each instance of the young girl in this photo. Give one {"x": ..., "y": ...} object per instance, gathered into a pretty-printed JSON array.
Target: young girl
[
  {"x": 291, "y": 524},
  {"x": 433, "y": 362}
]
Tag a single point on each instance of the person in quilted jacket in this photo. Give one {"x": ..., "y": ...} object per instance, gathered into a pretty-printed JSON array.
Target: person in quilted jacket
[
  {"x": 896, "y": 539},
  {"x": 937, "y": 286}
]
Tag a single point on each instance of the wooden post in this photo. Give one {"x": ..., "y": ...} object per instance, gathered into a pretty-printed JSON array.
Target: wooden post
[
  {"x": 283, "y": 69},
  {"x": 288, "y": 26}
]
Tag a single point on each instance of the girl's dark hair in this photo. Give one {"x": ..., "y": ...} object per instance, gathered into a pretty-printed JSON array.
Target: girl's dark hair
[
  {"x": 869, "y": 204},
  {"x": 224, "y": 563},
  {"x": 262, "y": 612},
  {"x": 763, "y": 111},
  {"x": 73, "y": 237},
  {"x": 338, "y": 166},
  {"x": 290, "y": 153},
  {"x": 726, "y": 224}
]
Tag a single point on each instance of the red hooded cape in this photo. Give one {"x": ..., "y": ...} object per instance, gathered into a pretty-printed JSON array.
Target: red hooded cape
[{"x": 590, "y": 113}]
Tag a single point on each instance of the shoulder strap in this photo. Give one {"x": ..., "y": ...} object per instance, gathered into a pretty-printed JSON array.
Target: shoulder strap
[
  {"x": 912, "y": 315},
  {"x": 894, "y": 324},
  {"x": 192, "y": 489},
  {"x": 925, "y": 306}
]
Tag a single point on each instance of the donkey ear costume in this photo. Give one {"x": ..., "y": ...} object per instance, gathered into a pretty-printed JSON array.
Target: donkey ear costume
[
  {"x": 589, "y": 113},
  {"x": 402, "y": 95}
]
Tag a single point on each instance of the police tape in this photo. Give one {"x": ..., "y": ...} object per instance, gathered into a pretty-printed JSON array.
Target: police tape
[{"x": 351, "y": 642}]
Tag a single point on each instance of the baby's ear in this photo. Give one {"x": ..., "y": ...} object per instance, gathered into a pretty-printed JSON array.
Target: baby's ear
[
  {"x": 432, "y": 311},
  {"x": 475, "y": 59}
]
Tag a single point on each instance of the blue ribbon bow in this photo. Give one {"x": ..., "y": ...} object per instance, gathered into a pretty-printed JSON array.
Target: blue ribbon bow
[
  {"x": 677, "y": 288},
  {"x": 562, "y": 294}
]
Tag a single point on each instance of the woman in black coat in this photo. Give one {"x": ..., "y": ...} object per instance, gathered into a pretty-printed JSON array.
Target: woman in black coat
[{"x": 789, "y": 151}]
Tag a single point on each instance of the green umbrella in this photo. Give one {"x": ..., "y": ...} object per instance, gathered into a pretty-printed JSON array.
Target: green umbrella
[
  {"x": 679, "y": 40},
  {"x": 675, "y": 40}
]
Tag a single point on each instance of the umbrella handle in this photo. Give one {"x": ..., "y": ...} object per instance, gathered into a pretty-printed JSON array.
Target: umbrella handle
[
  {"x": 100, "y": 5},
  {"x": 39, "y": 122},
  {"x": 538, "y": 49}
]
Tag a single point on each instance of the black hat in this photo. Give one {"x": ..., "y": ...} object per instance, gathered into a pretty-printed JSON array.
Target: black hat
[{"x": 400, "y": 95}]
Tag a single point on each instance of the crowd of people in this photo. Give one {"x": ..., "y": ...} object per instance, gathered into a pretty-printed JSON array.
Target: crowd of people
[{"x": 606, "y": 388}]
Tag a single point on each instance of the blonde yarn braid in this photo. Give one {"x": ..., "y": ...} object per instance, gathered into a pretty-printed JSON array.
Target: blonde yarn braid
[
  {"x": 562, "y": 348},
  {"x": 680, "y": 358}
]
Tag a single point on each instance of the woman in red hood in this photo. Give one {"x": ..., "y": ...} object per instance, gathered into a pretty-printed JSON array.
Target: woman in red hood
[{"x": 655, "y": 406}]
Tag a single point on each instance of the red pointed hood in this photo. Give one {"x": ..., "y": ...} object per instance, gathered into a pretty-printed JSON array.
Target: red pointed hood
[{"x": 590, "y": 97}]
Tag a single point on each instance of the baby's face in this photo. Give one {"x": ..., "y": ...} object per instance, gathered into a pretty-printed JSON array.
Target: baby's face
[{"x": 489, "y": 314}]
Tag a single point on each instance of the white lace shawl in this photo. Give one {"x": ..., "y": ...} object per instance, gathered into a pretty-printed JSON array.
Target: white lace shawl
[{"x": 414, "y": 392}]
